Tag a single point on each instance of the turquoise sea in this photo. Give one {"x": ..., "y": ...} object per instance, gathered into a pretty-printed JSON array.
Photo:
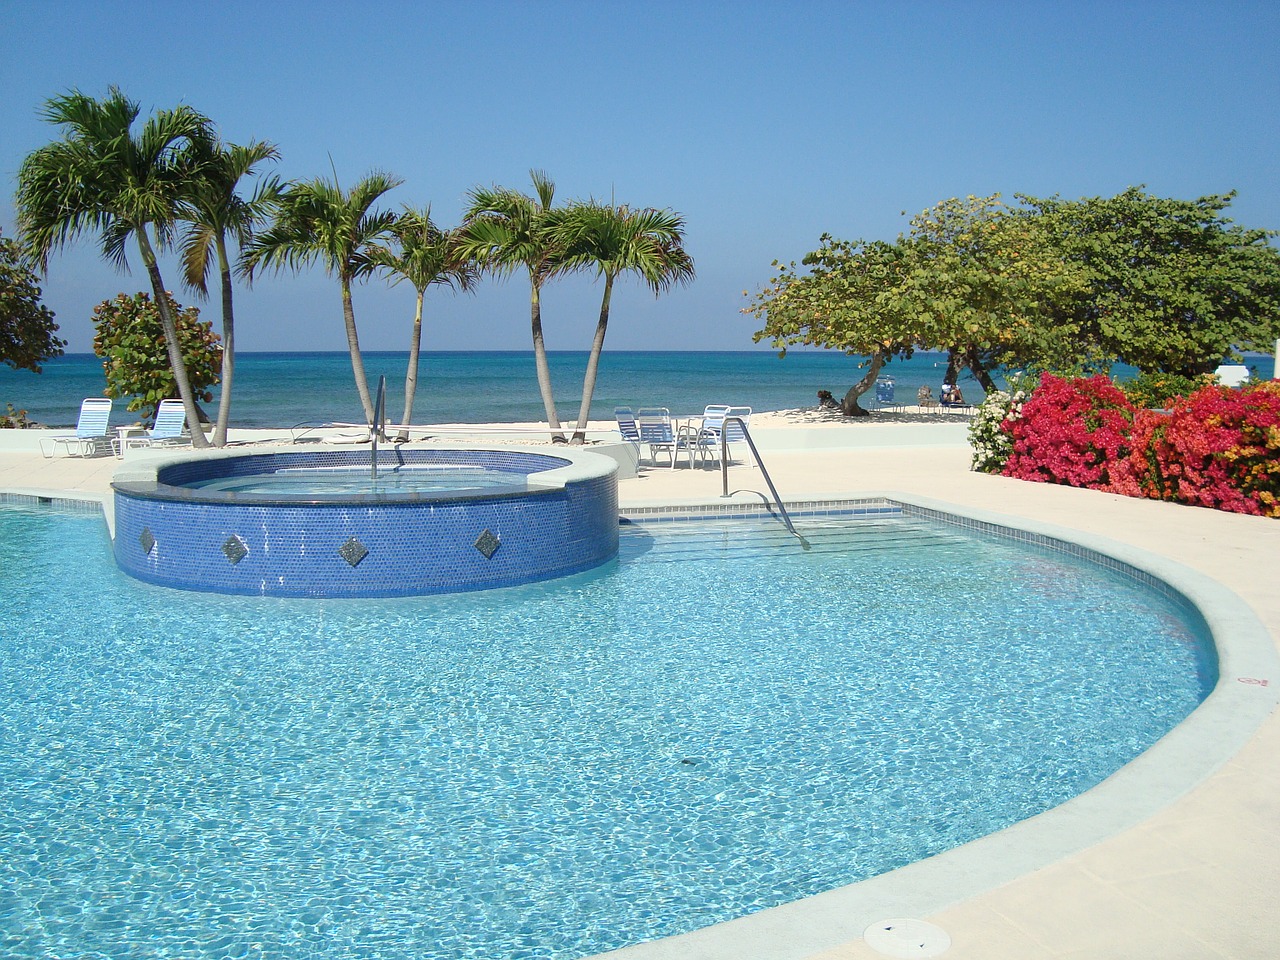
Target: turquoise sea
[{"x": 284, "y": 389}]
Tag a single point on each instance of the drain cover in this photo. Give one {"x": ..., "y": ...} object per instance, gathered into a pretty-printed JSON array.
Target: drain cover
[{"x": 907, "y": 938}]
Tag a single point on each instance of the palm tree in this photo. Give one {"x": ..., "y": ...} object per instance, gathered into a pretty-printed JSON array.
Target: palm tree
[
  {"x": 505, "y": 230},
  {"x": 617, "y": 240},
  {"x": 213, "y": 209},
  {"x": 318, "y": 221},
  {"x": 427, "y": 255},
  {"x": 101, "y": 176}
]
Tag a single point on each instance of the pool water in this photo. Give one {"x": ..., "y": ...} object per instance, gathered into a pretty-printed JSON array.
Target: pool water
[
  {"x": 346, "y": 480},
  {"x": 717, "y": 723}
]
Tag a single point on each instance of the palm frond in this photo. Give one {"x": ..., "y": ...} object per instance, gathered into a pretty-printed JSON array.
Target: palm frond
[
  {"x": 115, "y": 237},
  {"x": 544, "y": 187},
  {"x": 425, "y": 255},
  {"x": 199, "y": 247},
  {"x": 616, "y": 240},
  {"x": 212, "y": 207},
  {"x": 316, "y": 221},
  {"x": 99, "y": 176},
  {"x": 505, "y": 230}
]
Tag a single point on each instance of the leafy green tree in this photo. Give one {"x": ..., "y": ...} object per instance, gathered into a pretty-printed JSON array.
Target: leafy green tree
[
  {"x": 981, "y": 282},
  {"x": 424, "y": 255},
  {"x": 614, "y": 241},
  {"x": 1155, "y": 391},
  {"x": 27, "y": 330},
  {"x": 1170, "y": 286},
  {"x": 214, "y": 211},
  {"x": 972, "y": 277},
  {"x": 842, "y": 296},
  {"x": 102, "y": 176},
  {"x": 317, "y": 221},
  {"x": 504, "y": 231},
  {"x": 131, "y": 341}
]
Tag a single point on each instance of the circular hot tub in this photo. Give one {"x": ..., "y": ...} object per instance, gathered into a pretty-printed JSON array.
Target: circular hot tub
[{"x": 320, "y": 524}]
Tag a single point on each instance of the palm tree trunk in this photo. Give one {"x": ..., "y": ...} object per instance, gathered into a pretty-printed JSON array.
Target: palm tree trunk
[
  {"x": 172, "y": 345},
  {"x": 228, "y": 348},
  {"x": 540, "y": 364},
  {"x": 353, "y": 345},
  {"x": 593, "y": 363},
  {"x": 411, "y": 377}
]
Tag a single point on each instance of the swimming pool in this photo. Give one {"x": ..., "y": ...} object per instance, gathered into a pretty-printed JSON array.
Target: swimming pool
[{"x": 717, "y": 723}]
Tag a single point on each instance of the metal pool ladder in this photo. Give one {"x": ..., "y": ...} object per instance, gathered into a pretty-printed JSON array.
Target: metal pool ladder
[
  {"x": 377, "y": 426},
  {"x": 724, "y": 473}
]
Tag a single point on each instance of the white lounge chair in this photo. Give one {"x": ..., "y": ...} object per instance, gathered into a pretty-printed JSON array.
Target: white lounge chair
[
  {"x": 627, "y": 428},
  {"x": 720, "y": 424},
  {"x": 167, "y": 431},
  {"x": 658, "y": 434},
  {"x": 91, "y": 436}
]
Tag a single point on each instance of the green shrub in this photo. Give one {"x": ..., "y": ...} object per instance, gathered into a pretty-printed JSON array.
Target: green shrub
[
  {"x": 13, "y": 419},
  {"x": 130, "y": 340},
  {"x": 1157, "y": 391}
]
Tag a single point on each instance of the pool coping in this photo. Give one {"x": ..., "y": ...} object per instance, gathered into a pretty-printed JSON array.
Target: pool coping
[
  {"x": 1184, "y": 758},
  {"x": 141, "y": 477}
]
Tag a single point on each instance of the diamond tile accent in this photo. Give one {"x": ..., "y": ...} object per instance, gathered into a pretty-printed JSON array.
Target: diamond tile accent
[
  {"x": 353, "y": 551},
  {"x": 488, "y": 544},
  {"x": 146, "y": 539},
  {"x": 235, "y": 549}
]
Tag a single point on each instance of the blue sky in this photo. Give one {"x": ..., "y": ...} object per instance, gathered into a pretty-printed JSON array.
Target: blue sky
[{"x": 764, "y": 124}]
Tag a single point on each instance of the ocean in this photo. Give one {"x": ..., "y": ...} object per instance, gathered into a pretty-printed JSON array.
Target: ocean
[
  {"x": 283, "y": 389},
  {"x": 274, "y": 390}
]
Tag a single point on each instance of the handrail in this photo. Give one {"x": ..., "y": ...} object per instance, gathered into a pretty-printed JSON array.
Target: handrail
[
  {"x": 375, "y": 428},
  {"x": 724, "y": 473}
]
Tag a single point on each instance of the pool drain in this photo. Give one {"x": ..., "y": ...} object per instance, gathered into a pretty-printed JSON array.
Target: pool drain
[{"x": 907, "y": 938}]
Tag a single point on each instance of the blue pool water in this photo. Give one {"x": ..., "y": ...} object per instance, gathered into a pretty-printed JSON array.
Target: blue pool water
[
  {"x": 343, "y": 481},
  {"x": 717, "y": 723}
]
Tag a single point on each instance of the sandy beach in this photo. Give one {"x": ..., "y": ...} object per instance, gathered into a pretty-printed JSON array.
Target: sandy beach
[{"x": 1195, "y": 878}]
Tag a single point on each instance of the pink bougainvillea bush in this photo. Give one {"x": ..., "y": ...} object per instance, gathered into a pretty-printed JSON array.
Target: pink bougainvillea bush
[
  {"x": 1071, "y": 432},
  {"x": 1218, "y": 447},
  {"x": 1136, "y": 475}
]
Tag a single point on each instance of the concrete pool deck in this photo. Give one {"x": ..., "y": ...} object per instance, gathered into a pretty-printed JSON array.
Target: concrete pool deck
[{"x": 1198, "y": 877}]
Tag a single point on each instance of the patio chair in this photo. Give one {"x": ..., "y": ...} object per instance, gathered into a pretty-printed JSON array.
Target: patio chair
[
  {"x": 925, "y": 400},
  {"x": 658, "y": 434},
  {"x": 171, "y": 417},
  {"x": 719, "y": 421},
  {"x": 626, "y": 420},
  {"x": 91, "y": 436},
  {"x": 884, "y": 394}
]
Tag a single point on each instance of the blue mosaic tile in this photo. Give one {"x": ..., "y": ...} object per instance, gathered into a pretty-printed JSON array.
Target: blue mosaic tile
[
  {"x": 413, "y": 546},
  {"x": 67, "y": 504}
]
